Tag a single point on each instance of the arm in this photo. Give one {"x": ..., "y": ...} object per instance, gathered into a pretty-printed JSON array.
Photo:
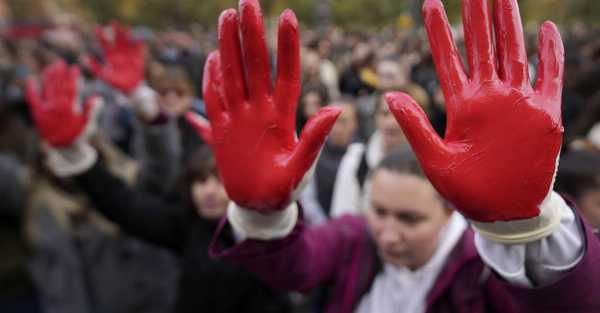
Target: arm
[
  {"x": 138, "y": 213},
  {"x": 65, "y": 130},
  {"x": 158, "y": 151},
  {"x": 498, "y": 159},
  {"x": 300, "y": 258}
]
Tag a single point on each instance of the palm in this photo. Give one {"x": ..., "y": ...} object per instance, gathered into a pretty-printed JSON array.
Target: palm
[
  {"x": 498, "y": 158},
  {"x": 259, "y": 157},
  {"x": 124, "y": 68}
]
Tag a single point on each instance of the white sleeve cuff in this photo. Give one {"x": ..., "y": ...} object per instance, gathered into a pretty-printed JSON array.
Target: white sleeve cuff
[
  {"x": 539, "y": 262},
  {"x": 249, "y": 224},
  {"x": 72, "y": 160}
]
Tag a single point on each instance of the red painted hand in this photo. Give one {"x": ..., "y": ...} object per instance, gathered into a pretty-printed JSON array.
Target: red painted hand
[
  {"x": 260, "y": 159},
  {"x": 498, "y": 158},
  {"x": 124, "y": 59},
  {"x": 58, "y": 118}
]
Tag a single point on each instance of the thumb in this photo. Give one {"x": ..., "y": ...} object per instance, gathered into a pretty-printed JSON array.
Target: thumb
[
  {"x": 313, "y": 135},
  {"x": 201, "y": 125},
  {"x": 426, "y": 143}
]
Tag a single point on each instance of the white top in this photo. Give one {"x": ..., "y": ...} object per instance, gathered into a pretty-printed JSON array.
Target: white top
[{"x": 347, "y": 195}]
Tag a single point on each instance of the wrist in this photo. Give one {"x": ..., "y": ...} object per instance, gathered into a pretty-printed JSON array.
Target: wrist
[
  {"x": 525, "y": 230},
  {"x": 249, "y": 224},
  {"x": 72, "y": 160}
]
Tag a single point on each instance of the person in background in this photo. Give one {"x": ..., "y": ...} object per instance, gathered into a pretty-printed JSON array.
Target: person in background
[
  {"x": 312, "y": 99},
  {"x": 360, "y": 159},
  {"x": 183, "y": 227},
  {"x": 317, "y": 196}
]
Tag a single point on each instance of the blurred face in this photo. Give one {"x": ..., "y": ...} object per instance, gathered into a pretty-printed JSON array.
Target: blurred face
[
  {"x": 174, "y": 100},
  {"x": 311, "y": 104},
  {"x": 589, "y": 203},
  {"x": 386, "y": 124},
  {"x": 405, "y": 218},
  {"x": 343, "y": 130},
  {"x": 209, "y": 198},
  {"x": 390, "y": 75}
]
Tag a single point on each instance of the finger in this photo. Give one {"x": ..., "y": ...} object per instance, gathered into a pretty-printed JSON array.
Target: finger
[
  {"x": 52, "y": 75},
  {"x": 478, "y": 39},
  {"x": 426, "y": 143},
  {"x": 231, "y": 59},
  {"x": 254, "y": 50},
  {"x": 201, "y": 125},
  {"x": 102, "y": 39},
  {"x": 313, "y": 135},
  {"x": 212, "y": 89},
  {"x": 512, "y": 57},
  {"x": 122, "y": 34},
  {"x": 446, "y": 56},
  {"x": 551, "y": 54},
  {"x": 287, "y": 88},
  {"x": 73, "y": 81}
]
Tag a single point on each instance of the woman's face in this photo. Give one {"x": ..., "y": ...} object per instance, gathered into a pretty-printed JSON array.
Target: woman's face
[
  {"x": 209, "y": 198},
  {"x": 405, "y": 218},
  {"x": 385, "y": 122}
]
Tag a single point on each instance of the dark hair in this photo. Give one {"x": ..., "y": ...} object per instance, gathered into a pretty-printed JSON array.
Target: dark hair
[
  {"x": 401, "y": 160},
  {"x": 578, "y": 172},
  {"x": 200, "y": 166}
]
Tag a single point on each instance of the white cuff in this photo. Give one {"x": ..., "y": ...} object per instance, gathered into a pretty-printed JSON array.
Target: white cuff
[
  {"x": 540, "y": 262},
  {"x": 72, "y": 160},
  {"x": 249, "y": 224},
  {"x": 526, "y": 230}
]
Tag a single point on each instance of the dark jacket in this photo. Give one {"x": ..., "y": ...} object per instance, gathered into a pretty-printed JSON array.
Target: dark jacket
[
  {"x": 341, "y": 253},
  {"x": 206, "y": 285}
]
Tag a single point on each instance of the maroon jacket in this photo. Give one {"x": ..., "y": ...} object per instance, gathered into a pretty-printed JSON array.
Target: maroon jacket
[{"x": 342, "y": 254}]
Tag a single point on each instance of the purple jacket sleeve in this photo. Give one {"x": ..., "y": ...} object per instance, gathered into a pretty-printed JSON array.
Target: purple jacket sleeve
[
  {"x": 577, "y": 291},
  {"x": 305, "y": 258}
]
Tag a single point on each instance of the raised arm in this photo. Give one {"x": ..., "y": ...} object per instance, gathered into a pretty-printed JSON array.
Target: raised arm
[
  {"x": 261, "y": 161},
  {"x": 498, "y": 159},
  {"x": 64, "y": 126}
]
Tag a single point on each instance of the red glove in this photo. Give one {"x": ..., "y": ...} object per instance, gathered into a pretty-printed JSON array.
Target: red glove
[
  {"x": 259, "y": 157},
  {"x": 498, "y": 158},
  {"x": 57, "y": 116},
  {"x": 124, "y": 57}
]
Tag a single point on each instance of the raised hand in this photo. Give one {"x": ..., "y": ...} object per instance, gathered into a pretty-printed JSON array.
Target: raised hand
[
  {"x": 124, "y": 59},
  {"x": 498, "y": 158},
  {"x": 56, "y": 113},
  {"x": 260, "y": 159}
]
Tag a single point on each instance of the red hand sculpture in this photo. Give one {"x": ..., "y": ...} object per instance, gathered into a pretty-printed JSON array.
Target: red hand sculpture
[
  {"x": 498, "y": 158},
  {"x": 124, "y": 68},
  {"x": 259, "y": 157},
  {"x": 55, "y": 112}
]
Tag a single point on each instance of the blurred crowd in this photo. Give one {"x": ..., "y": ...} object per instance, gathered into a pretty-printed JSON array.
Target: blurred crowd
[{"x": 67, "y": 248}]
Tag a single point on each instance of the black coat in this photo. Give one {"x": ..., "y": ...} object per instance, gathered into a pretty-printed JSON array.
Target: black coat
[{"x": 206, "y": 285}]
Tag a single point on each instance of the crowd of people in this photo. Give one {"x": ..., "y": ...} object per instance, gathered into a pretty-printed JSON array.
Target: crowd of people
[{"x": 132, "y": 232}]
